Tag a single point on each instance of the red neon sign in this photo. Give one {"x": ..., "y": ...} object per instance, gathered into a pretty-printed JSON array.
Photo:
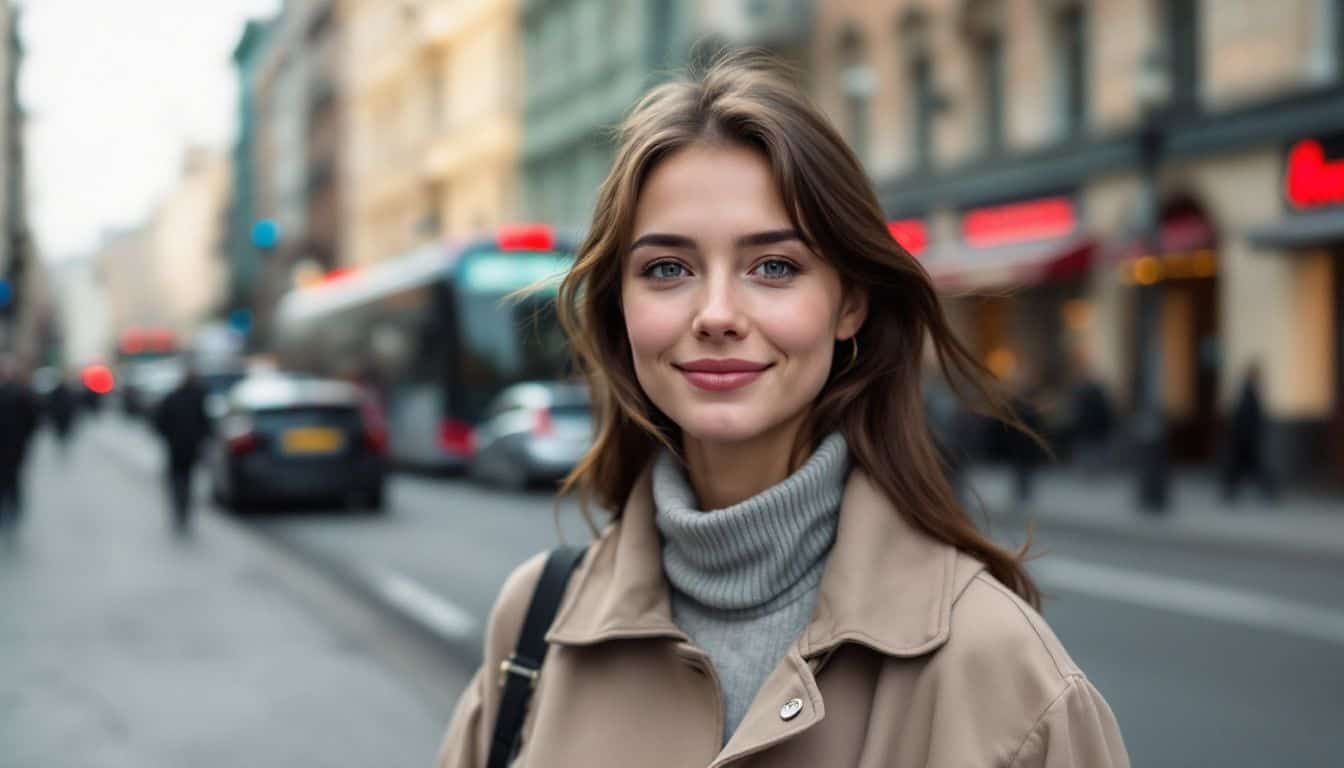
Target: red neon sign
[
  {"x": 1311, "y": 180},
  {"x": 910, "y": 233},
  {"x": 1022, "y": 222}
]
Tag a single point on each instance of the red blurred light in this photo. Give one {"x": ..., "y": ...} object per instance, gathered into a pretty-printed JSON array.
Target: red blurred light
[
  {"x": 526, "y": 237},
  {"x": 244, "y": 443},
  {"x": 337, "y": 274},
  {"x": 1022, "y": 222},
  {"x": 99, "y": 379},
  {"x": 910, "y": 233},
  {"x": 457, "y": 437},
  {"x": 375, "y": 439},
  {"x": 1311, "y": 180},
  {"x": 542, "y": 423}
]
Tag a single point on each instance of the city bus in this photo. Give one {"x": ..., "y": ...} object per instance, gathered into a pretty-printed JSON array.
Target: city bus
[{"x": 435, "y": 335}]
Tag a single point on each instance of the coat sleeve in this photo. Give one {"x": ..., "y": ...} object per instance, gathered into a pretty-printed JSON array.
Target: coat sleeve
[
  {"x": 1077, "y": 730},
  {"x": 467, "y": 743}
]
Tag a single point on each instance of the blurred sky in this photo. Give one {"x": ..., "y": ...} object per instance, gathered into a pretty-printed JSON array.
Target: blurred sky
[{"x": 114, "y": 91}]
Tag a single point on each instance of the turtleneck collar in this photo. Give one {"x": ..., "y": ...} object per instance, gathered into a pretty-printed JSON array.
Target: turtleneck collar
[{"x": 758, "y": 553}]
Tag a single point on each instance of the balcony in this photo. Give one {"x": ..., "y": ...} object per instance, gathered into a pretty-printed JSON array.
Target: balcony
[{"x": 767, "y": 23}]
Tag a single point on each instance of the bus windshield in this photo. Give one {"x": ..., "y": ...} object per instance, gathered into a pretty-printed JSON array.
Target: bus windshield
[{"x": 509, "y": 331}]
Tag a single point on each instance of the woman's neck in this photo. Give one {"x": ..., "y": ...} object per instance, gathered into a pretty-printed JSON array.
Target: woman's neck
[{"x": 724, "y": 474}]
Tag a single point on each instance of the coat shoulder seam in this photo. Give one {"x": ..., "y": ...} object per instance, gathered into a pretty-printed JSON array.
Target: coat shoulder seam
[
  {"x": 1016, "y": 602},
  {"x": 1070, "y": 685}
]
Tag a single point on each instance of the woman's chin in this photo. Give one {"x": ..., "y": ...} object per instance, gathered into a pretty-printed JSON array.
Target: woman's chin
[{"x": 724, "y": 429}]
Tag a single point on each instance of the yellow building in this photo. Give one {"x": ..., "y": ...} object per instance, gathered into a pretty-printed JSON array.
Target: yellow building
[{"x": 434, "y": 122}]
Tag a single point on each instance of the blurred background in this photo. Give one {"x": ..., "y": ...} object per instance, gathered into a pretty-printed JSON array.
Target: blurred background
[{"x": 302, "y": 218}]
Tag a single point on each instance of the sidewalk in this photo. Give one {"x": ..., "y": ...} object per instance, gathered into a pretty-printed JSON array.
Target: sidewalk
[
  {"x": 123, "y": 644},
  {"x": 1297, "y": 524}
]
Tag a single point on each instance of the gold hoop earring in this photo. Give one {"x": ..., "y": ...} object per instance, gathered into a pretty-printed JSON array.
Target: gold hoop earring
[{"x": 853, "y": 353}]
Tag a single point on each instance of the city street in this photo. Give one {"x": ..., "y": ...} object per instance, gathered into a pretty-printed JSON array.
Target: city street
[{"x": 342, "y": 639}]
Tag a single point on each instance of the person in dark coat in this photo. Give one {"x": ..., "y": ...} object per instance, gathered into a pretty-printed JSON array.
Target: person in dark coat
[
  {"x": 61, "y": 412},
  {"x": 1092, "y": 420},
  {"x": 182, "y": 422},
  {"x": 1245, "y": 454},
  {"x": 18, "y": 420}
]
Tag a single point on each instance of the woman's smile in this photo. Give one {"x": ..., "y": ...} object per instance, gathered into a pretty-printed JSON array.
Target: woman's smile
[{"x": 721, "y": 374}]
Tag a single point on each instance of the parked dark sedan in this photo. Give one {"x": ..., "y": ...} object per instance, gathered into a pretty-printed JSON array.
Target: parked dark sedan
[
  {"x": 286, "y": 439},
  {"x": 533, "y": 432}
]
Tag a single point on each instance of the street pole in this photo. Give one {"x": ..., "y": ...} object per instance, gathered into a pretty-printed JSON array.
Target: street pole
[{"x": 1150, "y": 427}]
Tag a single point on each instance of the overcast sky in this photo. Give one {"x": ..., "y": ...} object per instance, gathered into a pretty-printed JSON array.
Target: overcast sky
[{"x": 114, "y": 91}]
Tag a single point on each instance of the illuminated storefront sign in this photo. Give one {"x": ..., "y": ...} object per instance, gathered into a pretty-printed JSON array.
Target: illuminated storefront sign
[
  {"x": 1313, "y": 175},
  {"x": 910, "y": 233},
  {"x": 1021, "y": 222}
]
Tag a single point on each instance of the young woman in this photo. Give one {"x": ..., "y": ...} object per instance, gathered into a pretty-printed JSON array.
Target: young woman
[{"x": 788, "y": 579}]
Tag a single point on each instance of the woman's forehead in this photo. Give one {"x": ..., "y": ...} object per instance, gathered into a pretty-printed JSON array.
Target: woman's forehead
[{"x": 712, "y": 189}]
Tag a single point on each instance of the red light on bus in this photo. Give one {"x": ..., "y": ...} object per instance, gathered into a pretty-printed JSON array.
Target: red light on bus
[
  {"x": 336, "y": 274},
  {"x": 99, "y": 379},
  {"x": 526, "y": 237}
]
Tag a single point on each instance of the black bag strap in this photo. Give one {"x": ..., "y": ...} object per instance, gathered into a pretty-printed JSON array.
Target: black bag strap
[{"x": 518, "y": 673}]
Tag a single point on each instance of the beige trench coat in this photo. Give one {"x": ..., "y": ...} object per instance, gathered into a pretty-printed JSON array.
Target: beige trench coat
[{"x": 915, "y": 657}]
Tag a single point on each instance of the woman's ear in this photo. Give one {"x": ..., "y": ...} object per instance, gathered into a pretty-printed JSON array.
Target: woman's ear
[{"x": 853, "y": 313}]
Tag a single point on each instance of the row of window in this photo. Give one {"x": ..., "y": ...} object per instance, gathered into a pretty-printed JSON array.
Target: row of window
[{"x": 1068, "y": 25}]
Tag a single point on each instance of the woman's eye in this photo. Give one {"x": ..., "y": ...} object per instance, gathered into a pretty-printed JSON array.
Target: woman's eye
[
  {"x": 776, "y": 269},
  {"x": 665, "y": 270}
]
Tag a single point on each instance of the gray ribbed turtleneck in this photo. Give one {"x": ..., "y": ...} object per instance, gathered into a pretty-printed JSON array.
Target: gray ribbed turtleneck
[{"x": 744, "y": 578}]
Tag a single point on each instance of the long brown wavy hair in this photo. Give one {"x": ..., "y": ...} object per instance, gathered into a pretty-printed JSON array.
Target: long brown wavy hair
[{"x": 749, "y": 100}]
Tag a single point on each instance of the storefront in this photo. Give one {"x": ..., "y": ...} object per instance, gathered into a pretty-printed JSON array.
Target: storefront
[
  {"x": 1185, "y": 263},
  {"x": 1014, "y": 283},
  {"x": 1310, "y": 231}
]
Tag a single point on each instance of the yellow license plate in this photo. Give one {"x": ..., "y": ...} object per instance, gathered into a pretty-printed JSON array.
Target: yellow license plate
[{"x": 313, "y": 440}]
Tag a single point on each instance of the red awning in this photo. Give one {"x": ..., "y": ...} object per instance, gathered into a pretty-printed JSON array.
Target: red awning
[{"x": 964, "y": 268}]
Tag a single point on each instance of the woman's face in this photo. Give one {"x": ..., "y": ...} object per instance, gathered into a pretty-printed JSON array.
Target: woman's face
[{"x": 732, "y": 320}]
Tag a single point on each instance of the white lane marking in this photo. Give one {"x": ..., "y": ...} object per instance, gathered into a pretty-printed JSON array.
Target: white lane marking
[
  {"x": 1190, "y": 597},
  {"x": 439, "y": 613}
]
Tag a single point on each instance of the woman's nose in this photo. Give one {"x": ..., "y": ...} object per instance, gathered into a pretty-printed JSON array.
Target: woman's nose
[{"x": 720, "y": 313}]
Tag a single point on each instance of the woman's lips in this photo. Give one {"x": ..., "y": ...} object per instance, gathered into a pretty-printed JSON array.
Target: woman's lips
[{"x": 716, "y": 376}]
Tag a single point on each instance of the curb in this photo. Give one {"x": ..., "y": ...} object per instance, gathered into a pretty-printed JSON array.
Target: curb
[
  {"x": 466, "y": 648},
  {"x": 1168, "y": 530}
]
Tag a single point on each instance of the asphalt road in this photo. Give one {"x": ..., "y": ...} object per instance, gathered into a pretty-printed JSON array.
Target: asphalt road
[{"x": 1208, "y": 656}]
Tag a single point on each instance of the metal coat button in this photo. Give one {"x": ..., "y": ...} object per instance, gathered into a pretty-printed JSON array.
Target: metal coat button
[{"x": 791, "y": 709}]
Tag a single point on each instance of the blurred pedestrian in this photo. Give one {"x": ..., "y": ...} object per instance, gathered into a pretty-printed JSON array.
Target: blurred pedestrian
[
  {"x": 18, "y": 421},
  {"x": 1244, "y": 454},
  {"x": 181, "y": 420},
  {"x": 783, "y": 541},
  {"x": 1092, "y": 420},
  {"x": 948, "y": 424},
  {"x": 60, "y": 409}
]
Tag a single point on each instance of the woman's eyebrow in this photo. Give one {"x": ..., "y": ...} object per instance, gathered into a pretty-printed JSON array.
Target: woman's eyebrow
[
  {"x": 769, "y": 237},
  {"x": 755, "y": 239},
  {"x": 665, "y": 241}
]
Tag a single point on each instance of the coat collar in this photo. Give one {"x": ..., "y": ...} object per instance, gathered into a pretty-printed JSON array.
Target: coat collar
[{"x": 886, "y": 585}]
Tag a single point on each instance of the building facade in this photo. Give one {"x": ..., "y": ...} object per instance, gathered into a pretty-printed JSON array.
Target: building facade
[
  {"x": 242, "y": 256},
  {"x": 1007, "y": 138},
  {"x": 434, "y": 122},
  {"x": 21, "y": 305},
  {"x": 184, "y": 239},
  {"x": 586, "y": 63}
]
